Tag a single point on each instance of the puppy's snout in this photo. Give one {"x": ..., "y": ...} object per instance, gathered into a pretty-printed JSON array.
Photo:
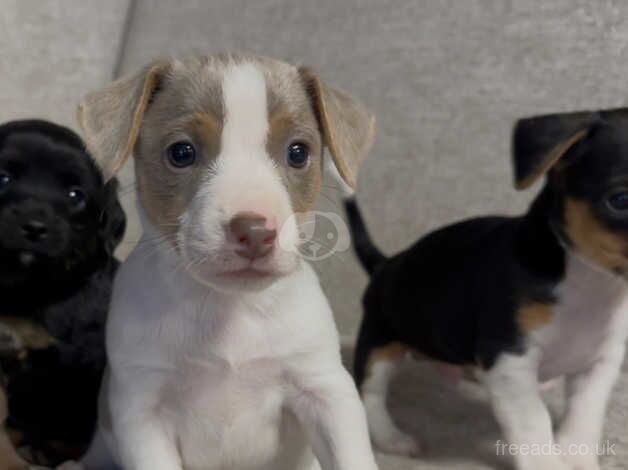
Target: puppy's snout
[
  {"x": 34, "y": 230},
  {"x": 253, "y": 235}
]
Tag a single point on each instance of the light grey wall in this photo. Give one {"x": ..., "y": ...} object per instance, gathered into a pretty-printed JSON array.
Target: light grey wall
[
  {"x": 52, "y": 51},
  {"x": 446, "y": 79}
]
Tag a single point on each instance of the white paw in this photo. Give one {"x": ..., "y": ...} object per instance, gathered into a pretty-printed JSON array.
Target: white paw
[
  {"x": 546, "y": 462},
  {"x": 398, "y": 443},
  {"x": 581, "y": 462},
  {"x": 578, "y": 456}
]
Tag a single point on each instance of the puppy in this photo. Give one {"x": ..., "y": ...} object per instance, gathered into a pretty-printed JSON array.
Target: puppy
[
  {"x": 525, "y": 299},
  {"x": 59, "y": 226},
  {"x": 222, "y": 347}
]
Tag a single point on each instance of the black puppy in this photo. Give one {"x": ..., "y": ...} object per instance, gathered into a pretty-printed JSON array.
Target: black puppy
[
  {"x": 523, "y": 299},
  {"x": 59, "y": 226}
]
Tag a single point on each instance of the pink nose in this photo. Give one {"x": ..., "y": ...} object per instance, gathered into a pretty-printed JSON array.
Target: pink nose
[{"x": 252, "y": 234}]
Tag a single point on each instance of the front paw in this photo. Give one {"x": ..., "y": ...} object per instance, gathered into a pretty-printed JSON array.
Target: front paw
[
  {"x": 578, "y": 456},
  {"x": 545, "y": 462},
  {"x": 581, "y": 462}
]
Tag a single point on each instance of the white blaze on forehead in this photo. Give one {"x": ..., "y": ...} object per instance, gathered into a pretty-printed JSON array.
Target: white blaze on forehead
[{"x": 246, "y": 115}]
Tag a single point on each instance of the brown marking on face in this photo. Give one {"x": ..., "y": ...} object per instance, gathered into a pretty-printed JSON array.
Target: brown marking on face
[
  {"x": 392, "y": 352},
  {"x": 285, "y": 128},
  {"x": 534, "y": 315},
  {"x": 589, "y": 237},
  {"x": 165, "y": 192}
]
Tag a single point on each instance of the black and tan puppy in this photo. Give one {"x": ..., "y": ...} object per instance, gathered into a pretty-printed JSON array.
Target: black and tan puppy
[
  {"x": 59, "y": 225},
  {"x": 524, "y": 299}
]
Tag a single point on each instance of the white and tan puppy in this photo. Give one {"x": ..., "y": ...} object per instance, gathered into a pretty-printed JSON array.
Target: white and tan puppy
[{"x": 223, "y": 349}]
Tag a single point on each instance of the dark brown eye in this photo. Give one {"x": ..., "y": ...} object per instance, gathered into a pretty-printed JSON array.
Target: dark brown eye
[
  {"x": 181, "y": 154},
  {"x": 618, "y": 201},
  {"x": 298, "y": 155},
  {"x": 78, "y": 197}
]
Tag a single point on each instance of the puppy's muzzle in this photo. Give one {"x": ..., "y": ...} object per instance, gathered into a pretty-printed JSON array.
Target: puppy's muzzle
[
  {"x": 33, "y": 221},
  {"x": 253, "y": 235},
  {"x": 33, "y": 228}
]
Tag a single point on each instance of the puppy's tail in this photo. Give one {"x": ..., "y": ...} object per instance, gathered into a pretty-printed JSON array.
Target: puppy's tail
[{"x": 368, "y": 254}]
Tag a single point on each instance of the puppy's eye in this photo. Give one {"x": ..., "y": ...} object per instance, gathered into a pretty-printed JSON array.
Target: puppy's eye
[
  {"x": 77, "y": 197},
  {"x": 618, "y": 201},
  {"x": 298, "y": 155},
  {"x": 181, "y": 154},
  {"x": 5, "y": 179}
]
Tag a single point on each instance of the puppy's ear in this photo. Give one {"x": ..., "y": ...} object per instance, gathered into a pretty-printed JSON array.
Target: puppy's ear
[
  {"x": 113, "y": 218},
  {"x": 111, "y": 118},
  {"x": 539, "y": 143},
  {"x": 347, "y": 126}
]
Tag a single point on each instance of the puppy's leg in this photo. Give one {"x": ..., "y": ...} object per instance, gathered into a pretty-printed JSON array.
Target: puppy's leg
[
  {"x": 588, "y": 394},
  {"x": 513, "y": 386},
  {"x": 382, "y": 365},
  {"x": 377, "y": 358},
  {"x": 9, "y": 459},
  {"x": 328, "y": 407},
  {"x": 141, "y": 439}
]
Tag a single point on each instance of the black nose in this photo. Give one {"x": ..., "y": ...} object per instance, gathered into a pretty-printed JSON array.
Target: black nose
[{"x": 34, "y": 230}]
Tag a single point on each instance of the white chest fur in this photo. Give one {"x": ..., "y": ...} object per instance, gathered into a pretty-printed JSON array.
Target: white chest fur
[
  {"x": 591, "y": 316},
  {"x": 220, "y": 363}
]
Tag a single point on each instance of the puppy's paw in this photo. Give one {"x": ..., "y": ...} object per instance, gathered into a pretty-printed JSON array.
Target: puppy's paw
[
  {"x": 578, "y": 456},
  {"x": 398, "y": 443},
  {"x": 582, "y": 462},
  {"x": 545, "y": 462}
]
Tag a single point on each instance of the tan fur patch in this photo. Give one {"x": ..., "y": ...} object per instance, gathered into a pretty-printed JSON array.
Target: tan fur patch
[
  {"x": 592, "y": 239},
  {"x": 389, "y": 353},
  {"x": 347, "y": 126},
  {"x": 31, "y": 335},
  {"x": 533, "y": 316},
  {"x": 166, "y": 194},
  {"x": 288, "y": 127},
  {"x": 551, "y": 159},
  {"x": 9, "y": 459}
]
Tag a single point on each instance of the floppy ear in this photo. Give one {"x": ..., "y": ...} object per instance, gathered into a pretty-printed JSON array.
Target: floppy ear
[
  {"x": 113, "y": 218},
  {"x": 111, "y": 118},
  {"x": 347, "y": 126},
  {"x": 539, "y": 143}
]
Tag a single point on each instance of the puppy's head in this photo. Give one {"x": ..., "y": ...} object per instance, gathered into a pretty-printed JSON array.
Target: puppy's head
[
  {"x": 585, "y": 156},
  {"x": 55, "y": 214},
  {"x": 227, "y": 149}
]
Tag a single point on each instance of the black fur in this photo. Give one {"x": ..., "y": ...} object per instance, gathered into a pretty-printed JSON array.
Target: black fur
[{"x": 61, "y": 283}]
